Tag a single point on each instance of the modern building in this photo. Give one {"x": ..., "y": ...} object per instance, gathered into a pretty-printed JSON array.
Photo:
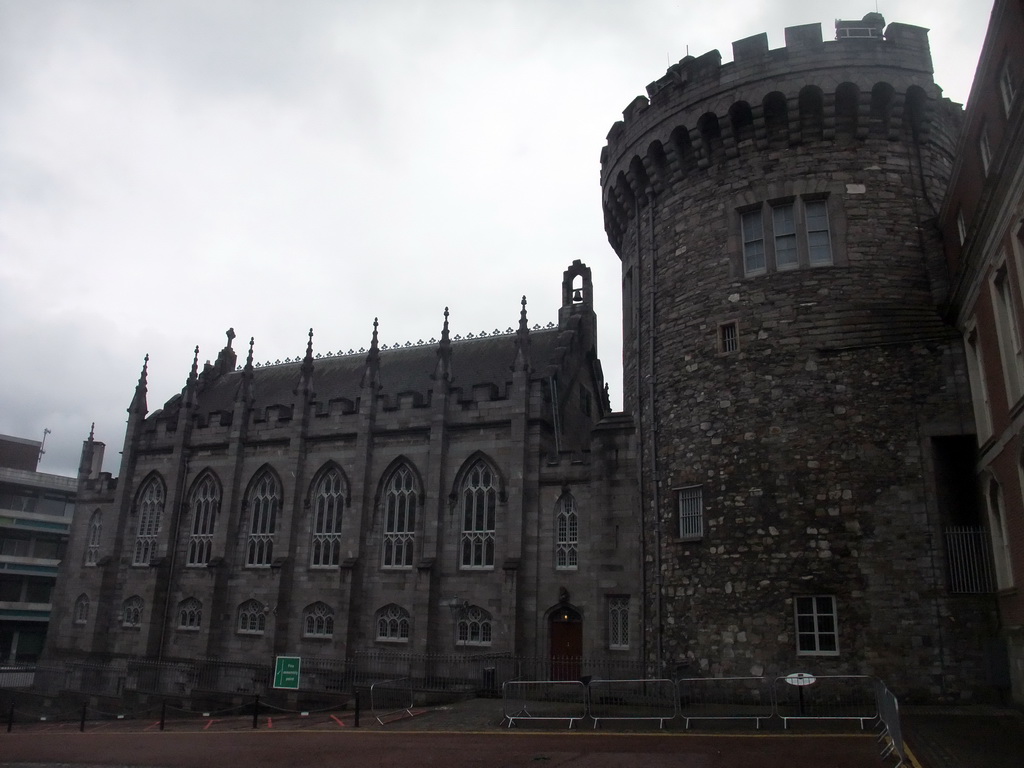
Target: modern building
[
  {"x": 983, "y": 230},
  {"x": 36, "y": 511}
]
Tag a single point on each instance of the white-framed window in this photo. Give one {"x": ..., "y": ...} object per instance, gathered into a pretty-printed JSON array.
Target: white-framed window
[
  {"x": 131, "y": 612},
  {"x": 817, "y": 625},
  {"x": 784, "y": 222},
  {"x": 618, "y": 623},
  {"x": 979, "y": 385},
  {"x": 400, "y": 499},
  {"x": 1007, "y": 334},
  {"x": 264, "y": 506},
  {"x": 81, "y": 613},
  {"x": 205, "y": 503},
  {"x": 150, "y": 508},
  {"x": 479, "y": 504},
  {"x": 690, "y": 506},
  {"x": 998, "y": 534},
  {"x": 984, "y": 149},
  {"x": 474, "y": 627},
  {"x": 318, "y": 621},
  {"x": 393, "y": 624},
  {"x": 328, "y": 507},
  {"x": 961, "y": 227},
  {"x": 819, "y": 238},
  {"x": 92, "y": 546},
  {"x": 190, "y": 614},
  {"x": 753, "y": 243},
  {"x": 567, "y": 534},
  {"x": 728, "y": 337},
  {"x": 785, "y": 235},
  {"x": 252, "y": 618},
  {"x": 1007, "y": 86}
]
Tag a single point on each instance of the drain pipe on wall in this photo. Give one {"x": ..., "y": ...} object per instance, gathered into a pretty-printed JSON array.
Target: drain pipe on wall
[
  {"x": 635, "y": 315},
  {"x": 652, "y": 435}
]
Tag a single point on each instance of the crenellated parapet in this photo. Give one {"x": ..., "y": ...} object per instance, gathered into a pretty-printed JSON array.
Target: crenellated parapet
[{"x": 703, "y": 113}]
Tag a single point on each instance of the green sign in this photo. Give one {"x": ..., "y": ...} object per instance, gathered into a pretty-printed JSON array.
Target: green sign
[{"x": 286, "y": 672}]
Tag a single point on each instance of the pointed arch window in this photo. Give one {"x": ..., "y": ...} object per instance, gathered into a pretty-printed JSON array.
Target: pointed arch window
[
  {"x": 567, "y": 528},
  {"x": 400, "y": 498},
  {"x": 474, "y": 627},
  {"x": 318, "y": 621},
  {"x": 150, "y": 509},
  {"x": 131, "y": 612},
  {"x": 190, "y": 614},
  {"x": 252, "y": 618},
  {"x": 82, "y": 609},
  {"x": 328, "y": 506},
  {"x": 264, "y": 507},
  {"x": 479, "y": 502},
  {"x": 92, "y": 546},
  {"x": 393, "y": 624},
  {"x": 205, "y": 504}
]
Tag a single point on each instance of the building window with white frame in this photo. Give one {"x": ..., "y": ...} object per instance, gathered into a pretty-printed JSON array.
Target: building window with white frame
[
  {"x": 961, "y": 227},
  {"x": 92, "y": 547},
  {"x": 400, "y": 499},
  {"x": 817, "y": 626},
  {"x": 979, "y": 385},
  {"x": 999, "y": 535},
  {"x": 328, "y": 506},
  {"x": 318, "y": 621},
  {"x": 473, "y": 627},
  {"x": 984, "y": 149},
  {"x": 819, "y": 239},
  {"x": 1007, "y": 86},
  {"x": 82, "y": 609},
  {"x": 252, "y": 617},
  {"x": 786, "y": 235},
  {"x": 1008, "y": 335},
  {"x": 150, "y": 507},
  {"x": 567, "y": 533},
  {"x": 393, "y": 624},
  {"x": 264, "y": 506},
  {"x": 690, "y": 505},
  {"x": 618, "y": 623},
  {"x": 479, "y": 505},
  {"x": 753, "y": 243},
  {"x": 190, "y": 614},
  {"x": 784, "y": 223},
  {"x": 205, "y": 504},
  {"x": 131, "y": 612}
]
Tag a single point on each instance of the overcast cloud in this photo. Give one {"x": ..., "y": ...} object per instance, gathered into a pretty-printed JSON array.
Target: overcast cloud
[{"x": 171, "y": 169}]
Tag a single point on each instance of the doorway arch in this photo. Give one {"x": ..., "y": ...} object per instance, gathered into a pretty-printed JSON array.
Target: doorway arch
[{"x": 565, "y": 635}]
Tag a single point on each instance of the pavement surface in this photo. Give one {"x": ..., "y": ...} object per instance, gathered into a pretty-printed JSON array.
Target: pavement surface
[{"x": 474, "y": 733}]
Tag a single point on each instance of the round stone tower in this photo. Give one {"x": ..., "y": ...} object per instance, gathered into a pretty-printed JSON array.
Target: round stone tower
[{"x": 793, "y": 383}]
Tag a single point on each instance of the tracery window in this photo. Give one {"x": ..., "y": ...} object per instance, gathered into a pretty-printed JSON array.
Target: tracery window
[
  {"x": 92, "y": 547},
  {"x": 205, "y": 503},
  {"x": 252, "y": 617},
  {"x": 328, "y": 506},
  {"x": 150, "y": 508},
  {"x": 131, "y": 612},
  {"x": 479, "y": 501},
  {"x": 190, "y": 614},
  {"x": 82, "y": 609},
  {"x": 567, "y": 534},
  {"x": 264, "y": 505},
  {"x": 318, "y": 621},
  {"x": 400, "y": 498},
  {"x": 393, "y": 624},
  {"x": 474, "y": 627},
  {"x": 618, "y": 623}
]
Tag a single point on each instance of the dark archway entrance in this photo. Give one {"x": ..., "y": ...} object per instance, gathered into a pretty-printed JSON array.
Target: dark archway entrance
[{"x": 566, "y": 636}]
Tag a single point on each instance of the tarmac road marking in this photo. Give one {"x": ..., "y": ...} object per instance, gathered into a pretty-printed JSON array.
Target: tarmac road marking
[
  {"x": 270, "y": 723},
  {"x": 152, "y": 725},
  {"x": 339, "y": 721},
  {"x": 209, "y": 723}
]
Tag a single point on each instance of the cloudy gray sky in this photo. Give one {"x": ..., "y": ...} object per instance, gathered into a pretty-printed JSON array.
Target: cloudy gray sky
[{"x": 172, "y": 168}]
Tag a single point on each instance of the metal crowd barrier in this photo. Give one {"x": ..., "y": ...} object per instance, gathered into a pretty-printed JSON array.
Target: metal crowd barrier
[
  {"x": 891, "y": 736},
  {"x": 391, "y": 697},
  {"x": 801, "y": 696},
  {"x": 725, "y": 698},
  {"x": 632, "y": 700},
  {"x": 544, "y": 700}
]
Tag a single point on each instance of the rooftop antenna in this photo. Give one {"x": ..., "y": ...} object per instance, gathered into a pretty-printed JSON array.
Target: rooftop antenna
[{"x": 39, "y": 458}]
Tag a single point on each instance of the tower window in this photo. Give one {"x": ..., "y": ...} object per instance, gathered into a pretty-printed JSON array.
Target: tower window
[
  {"x": 728, "y": 338},
  {"x": 786, "y": 235}
]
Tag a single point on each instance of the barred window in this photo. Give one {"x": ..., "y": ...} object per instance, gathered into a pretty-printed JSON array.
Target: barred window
[
  {"x": 691, "y": 512},
  {"x": 728, "y": 337},
  {"x": 400, "y": 498},
  {"x": 328, "y": 506},
  {"x": 393, "y": 624},
  {"x": 318, "y": 621},
  {"x": 92, "y": 547},
  {"x": 190, "y": 614},
  {"x": 618, "y": 623},
  {"x": 567, "y": 534},
  {"x": 479, "y": 500},
  {"x": 252, "y": 618},
  {"x": 817, "y": 631},
  {"x": 82, "y": 609},
  {"x": 474, "y": 627},
  {"x": 131, "y": 612},
  {"x": 150, "y": 508},
  {"x": 205, "y": 503},
  {"x": 264, "y": 504}
]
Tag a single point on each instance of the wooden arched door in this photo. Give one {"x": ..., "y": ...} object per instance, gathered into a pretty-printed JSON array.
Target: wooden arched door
[{"x": 566, "y": 635}]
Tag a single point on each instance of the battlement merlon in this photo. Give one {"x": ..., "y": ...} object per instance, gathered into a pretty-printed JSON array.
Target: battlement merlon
[{"x": 705, "y": 81}]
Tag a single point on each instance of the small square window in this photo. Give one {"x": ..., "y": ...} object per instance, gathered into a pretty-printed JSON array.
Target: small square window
[
  {"x": 728, "y": 338},
  {"x": 690, "y": 501},
  {"x": 817, "y": 627}
]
